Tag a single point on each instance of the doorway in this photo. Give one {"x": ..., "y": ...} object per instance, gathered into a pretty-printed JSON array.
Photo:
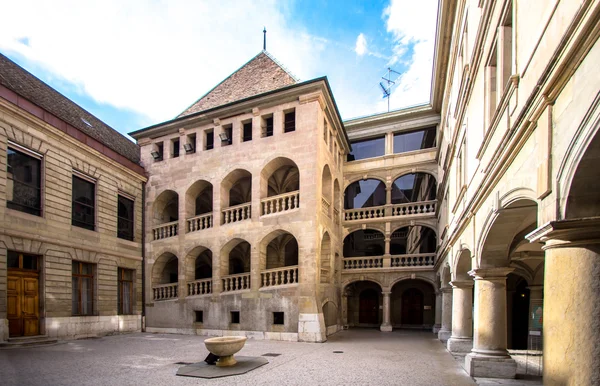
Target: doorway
[
  {"x": 23, "y": 295},
  {"x": 412, "y": 307},
  {"x": 369, "y": 307}
]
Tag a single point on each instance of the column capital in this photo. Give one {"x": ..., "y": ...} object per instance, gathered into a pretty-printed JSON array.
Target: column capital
[
  {"x": 567, "y": 233},
  {"x": 386, "y": 293},
  {"x": 462, "y": 283},
  {"x": 446, "y": 290},
  {"x": 490, "y": 273}
]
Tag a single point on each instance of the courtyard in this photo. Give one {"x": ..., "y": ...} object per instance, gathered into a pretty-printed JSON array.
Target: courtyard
[{"x": 352, "y": 357}]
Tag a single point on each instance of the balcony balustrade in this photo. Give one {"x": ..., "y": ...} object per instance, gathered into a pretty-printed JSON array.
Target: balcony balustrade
[
  {"x": 325, "y": 206},
  {"x": 164, "y": 231},
  {"x": 279, "y": 276},
  {"x": 200, "y": 287},
  {"x": 198, "y": 223},
  {"x": 236, "y": 282},
  {"x": 364, "y": 213},
  {"x": 412, "y": 208},
  {"x": 164, "y": 291},
  {"x": 363, "y": 262},
  {"x": 280, "y": 203},
  {"x": 418, "y": 260},
  {"x": 237, "y": 213}
]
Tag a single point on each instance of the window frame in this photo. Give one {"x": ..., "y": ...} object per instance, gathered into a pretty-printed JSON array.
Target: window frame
[
  {"x": 120, "y": 293},
  {"x": 79, "y": 277},
  {"x": 84, "y": 178},
  {"x": 39, "y": 157},
  {"x": 289, "y": 126},
  {"x": 245, "y": 137},
  {"x": 132, "y": 220}
]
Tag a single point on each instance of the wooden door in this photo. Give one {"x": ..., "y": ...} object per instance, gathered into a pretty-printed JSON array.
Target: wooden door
[
  {"x": 23, "y": 295},
  {"x": 412, "y": 306},
  {"x": 368, "y": 312}
]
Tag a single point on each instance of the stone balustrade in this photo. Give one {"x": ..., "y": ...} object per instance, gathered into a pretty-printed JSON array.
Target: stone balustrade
[
  {"x": 280, "y": 203},
  {"x": 413, "y": 208},
  {"x": 164, "y": 231},
  {"x": 200, "y": 287},
  {"x": 363, "y": 262},
  {"x": 364, "y": 213},
  {"x": 164, "y": 291},
  {"x": 237, "y": 213},
  {"x": 236, "y": 282},
  {"x": 200, "y": 222},
  {"x": 417, "y": 260},
  {"x": 325, "y": 206},
  {"x": 279, "y": 276}
]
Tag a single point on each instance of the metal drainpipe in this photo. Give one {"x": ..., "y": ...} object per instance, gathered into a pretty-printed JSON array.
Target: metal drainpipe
[{"x": 143, "y": 257}]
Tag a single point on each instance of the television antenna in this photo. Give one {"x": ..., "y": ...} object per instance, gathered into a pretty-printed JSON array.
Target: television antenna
[{"x": 387, "y": 88}]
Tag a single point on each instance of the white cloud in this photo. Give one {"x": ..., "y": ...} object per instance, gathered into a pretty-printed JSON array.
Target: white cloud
[
  {"x": 412, "y": 25},
  {"x": 361, "y": 45},
  {"x": 155, "y": 58}
]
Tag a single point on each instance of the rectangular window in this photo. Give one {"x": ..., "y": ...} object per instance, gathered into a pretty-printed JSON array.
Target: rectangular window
[
  {"x": 125, "y": 218},
  {"x": 125, "y": 303},
  {"x": 22, "y": 261},
  {"x": 210, "y": 139},
  {"x": 175, "y": 147},
  {"x": 226, "y": 135},
  {"x": 235, "y": 317},
  {"x": 83, "y": 288},
  {"x": 190, "y": 145},
  {"x": 414, "y": 140},
  {"x": 289, "y": 121},
  {"x": 24, "y": 182},
  {"x": 158, "y": 151},
  {"x": 278, "y": 318},
  {"x": 367, "y": 148},
  {"x": 199, "y": 316},
  {"x": 84, "y": 202},
  {"x": 247, "y": 131}
]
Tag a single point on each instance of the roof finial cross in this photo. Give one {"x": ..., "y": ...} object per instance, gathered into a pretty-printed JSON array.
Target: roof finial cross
[{"x": 264, "y": 38}]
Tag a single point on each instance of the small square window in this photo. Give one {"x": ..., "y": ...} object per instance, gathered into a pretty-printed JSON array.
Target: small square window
[
  {"x": 289, "y": 121},
  {"x": 235, "y": 317},
  {"x": 247, "y": 131},
  {"x": 278, "y": 318},
  {"x": 199, "y": 316},
  {"x": 175, "y": 147}
]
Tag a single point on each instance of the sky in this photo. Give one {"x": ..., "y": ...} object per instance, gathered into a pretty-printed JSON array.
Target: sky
[{"x": 135, "y": 63}]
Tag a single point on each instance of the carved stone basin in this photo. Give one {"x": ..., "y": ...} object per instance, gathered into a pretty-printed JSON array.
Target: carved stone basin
[{"x": 224, "y": 347}]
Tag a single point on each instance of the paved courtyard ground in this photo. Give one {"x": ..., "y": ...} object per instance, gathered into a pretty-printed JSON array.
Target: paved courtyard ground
[{"x": 368, "y": 357}]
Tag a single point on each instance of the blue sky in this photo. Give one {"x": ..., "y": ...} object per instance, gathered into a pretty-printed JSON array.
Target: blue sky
[{"x": 135, "y": 63}]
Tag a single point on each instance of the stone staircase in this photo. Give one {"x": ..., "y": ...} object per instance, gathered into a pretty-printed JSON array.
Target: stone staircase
[{"x": 27, "y": 341}]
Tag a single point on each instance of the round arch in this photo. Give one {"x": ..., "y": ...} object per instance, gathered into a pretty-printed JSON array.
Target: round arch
[
  {"x": 462, "y": 265},
  {"x": 362, "y": 178},
  {"x": 196, "y": 261},
  {"x": 413, "y": 239},
  {"x": 199, "y": 198},
  {"x": 165, "y": 269},
  {"x": 412, "y": 303},
  {"x": 241, "y": 250},
  {"x": 413, "y": 187},
  {"x": 277, "y": 249},
  {"x": 363, "y": 243},
  {"x": 236, "y": 188},
  {"x": 165, "y": 207},
  {"x": 278, "y": 176},
  {"x": 365, "y": 193}
]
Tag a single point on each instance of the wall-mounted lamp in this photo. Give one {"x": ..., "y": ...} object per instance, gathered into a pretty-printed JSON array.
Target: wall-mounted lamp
[
  {"x": 188, "y": 147},
  {"x": 224, "y": 137},
  {"x": 155, "y": 154}
]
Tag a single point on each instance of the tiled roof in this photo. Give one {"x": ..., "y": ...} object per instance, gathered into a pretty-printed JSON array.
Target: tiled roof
[
  {"x": 17, "y": 79},
  {"x": 261, "y": 74}
]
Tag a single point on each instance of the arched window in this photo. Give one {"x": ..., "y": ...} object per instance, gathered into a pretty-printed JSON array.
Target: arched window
[
  {"x": 413, "y": 240},
  {"x": 363, "y": 243},
  {"x": 413, "y": 187},
  {"x": 364, "y": 194}
]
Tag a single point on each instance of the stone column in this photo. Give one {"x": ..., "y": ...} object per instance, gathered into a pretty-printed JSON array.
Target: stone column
[
  {"x": 489, "y": 357},
  {"x": 344, "y": 309},
  {"x": 386, "y": 326},
  {"x": 571, "y": 315},
  {"x": 446, "y": 331},
  {"x": 387, "y": 258},
  {"x": 461, "y": 340},
  {"x": 438, "y": 312}
]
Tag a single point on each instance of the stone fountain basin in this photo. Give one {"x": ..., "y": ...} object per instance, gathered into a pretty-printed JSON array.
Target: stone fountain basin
[{"x": 224, "y": 347}]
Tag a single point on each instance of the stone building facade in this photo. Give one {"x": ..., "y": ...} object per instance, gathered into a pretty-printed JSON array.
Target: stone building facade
[{"x": 71, "y": 192}]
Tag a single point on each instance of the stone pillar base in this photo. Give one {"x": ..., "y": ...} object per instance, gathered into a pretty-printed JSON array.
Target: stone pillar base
[
  {"x": 385, "y": 327},
  {"x": 490, "y": 366},
  {"x": 444, "y": 335},
  {"x": 311, "y": 328},
  {"x": 459, "y": 345},
  {"x": 436, "y": 328}
]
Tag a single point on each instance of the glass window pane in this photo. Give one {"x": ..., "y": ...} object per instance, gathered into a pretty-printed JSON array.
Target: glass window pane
[
  {"x": 413, "y": 188},
  {"x": 413, "y": 240},
  {"x": 367, "y": 149},
  {"x": 125, "y": 218},
  {"x": 414, "y": 140},
  {"x": 23, "y": 182},
  {"x": 86, "y": 269},
  {"x": 76, "y": 295},
  {"x": 364, "y": 194},
  {"x": 83, "y": 203},
  {"x": 13, "y": 259},
  {"x": 126, "y": 298},
  {"x": 30, "y": 262},
  {"x": 86, "y": 296},
  {"x": 362, "y": 243}
]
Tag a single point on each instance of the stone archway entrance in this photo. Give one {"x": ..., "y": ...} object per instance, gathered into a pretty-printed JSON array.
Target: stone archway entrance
[
  {"x": 368, "y": 307},
  {"x": 412, "y": 306},
  {"x": 364, "y": 304}
]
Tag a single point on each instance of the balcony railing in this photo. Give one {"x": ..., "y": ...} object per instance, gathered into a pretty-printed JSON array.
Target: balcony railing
[
  {"x": 417, "y": 260},
  {"x": 413, "y": 208},
  {"x": 200, "y": 287},
  {"x": 279, "y": 276},
  {"x": 164, "y": 291},
  {"x": 280, "y": 203},
  {"x": 237, "y": 213},
  {"x": 363, "y": 262},
  {"x": 325, "y": 206},
  {"x": 236, "y": 282},
  {"x": 364, "y": 213},
  {"x": 164, "y": 231},
  {"x": 200, "y": 222}
]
